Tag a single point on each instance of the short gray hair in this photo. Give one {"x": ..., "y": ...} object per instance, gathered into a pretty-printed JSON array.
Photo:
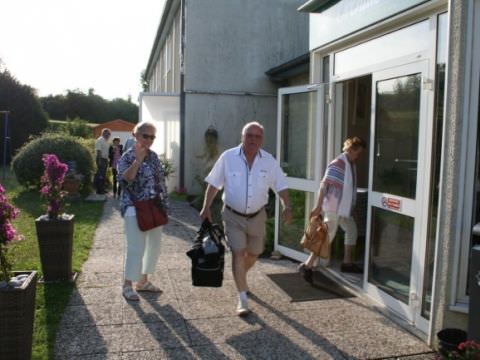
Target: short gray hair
[
  {"x": 142, "y": 125},
  {"x": 252, "y": 123}
]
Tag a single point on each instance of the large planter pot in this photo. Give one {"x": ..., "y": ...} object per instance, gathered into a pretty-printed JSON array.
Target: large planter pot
[
  {"x": 17, "y": 310},
  {"x": 449, "y": 339},
  {"x": 55, "y": 241}
]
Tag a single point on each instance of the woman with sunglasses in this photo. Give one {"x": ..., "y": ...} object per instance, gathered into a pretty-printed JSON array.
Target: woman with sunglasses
[{"x": 142, "y": 177}]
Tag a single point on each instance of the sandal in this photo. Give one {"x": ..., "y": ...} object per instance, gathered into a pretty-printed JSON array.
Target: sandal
[
  {"x": 148, "y": 287},
  {"x": 129, "y": 293}
]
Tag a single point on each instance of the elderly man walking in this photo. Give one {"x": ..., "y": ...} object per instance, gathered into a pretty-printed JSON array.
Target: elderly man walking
[
  {"x": 246, "y": 173},
  {"x": 101, "y": 157}
]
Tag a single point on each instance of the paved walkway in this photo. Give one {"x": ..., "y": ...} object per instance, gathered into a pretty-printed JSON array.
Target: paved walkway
[{"x": 200, "y": 323}]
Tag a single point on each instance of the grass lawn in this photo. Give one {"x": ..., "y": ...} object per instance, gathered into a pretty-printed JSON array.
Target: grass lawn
[{"x": 51, "y": 298}]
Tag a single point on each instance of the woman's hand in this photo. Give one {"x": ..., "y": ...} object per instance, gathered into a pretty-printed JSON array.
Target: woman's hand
[
  {"x": 141, "y": 151},
  {"x": 317, "y": 210}
]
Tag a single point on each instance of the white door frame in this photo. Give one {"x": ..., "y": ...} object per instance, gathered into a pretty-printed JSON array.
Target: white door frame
[
  {"x": 319, "y": 162},
  {"x": 416, "y": 208}
]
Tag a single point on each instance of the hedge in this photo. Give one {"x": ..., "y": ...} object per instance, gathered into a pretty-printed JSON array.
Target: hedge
[{"x": 28, "y": 166}]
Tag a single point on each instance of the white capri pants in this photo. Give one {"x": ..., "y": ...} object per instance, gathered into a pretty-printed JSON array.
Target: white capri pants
[
  {"x": 346, "y": 223},
  {"x": 142, "y": 250}
]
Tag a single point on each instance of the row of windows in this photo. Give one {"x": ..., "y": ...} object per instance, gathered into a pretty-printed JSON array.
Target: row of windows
[{"x": 166, "y": 74}]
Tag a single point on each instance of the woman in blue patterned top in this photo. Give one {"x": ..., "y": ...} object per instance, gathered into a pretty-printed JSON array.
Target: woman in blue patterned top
[{"x": 142, "y": 177}]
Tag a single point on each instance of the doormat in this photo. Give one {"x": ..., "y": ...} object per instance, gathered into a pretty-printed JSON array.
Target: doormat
[{"x": 323, "y": 288}]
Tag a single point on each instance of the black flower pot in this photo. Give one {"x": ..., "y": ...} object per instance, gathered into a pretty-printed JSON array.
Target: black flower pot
[
  {"x": 55, "y": 242},
  {"x": 17, "y": 313},
  {"x": 449, "y": 339}
]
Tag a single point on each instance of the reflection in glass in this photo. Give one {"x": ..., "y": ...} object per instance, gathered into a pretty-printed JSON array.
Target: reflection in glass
[
  {"x": 289, "y": 235},
  {"x": 391, "y": 252},
  {"x": 409, "y": 40},
  {"x": 396, "y": 135},
  {"x": 298, "y": 122}
]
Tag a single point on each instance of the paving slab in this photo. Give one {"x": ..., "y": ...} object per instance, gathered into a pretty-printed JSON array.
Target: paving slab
[{"x": 186, "y": 322}]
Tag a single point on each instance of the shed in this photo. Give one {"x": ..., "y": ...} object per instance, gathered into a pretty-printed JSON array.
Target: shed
[{"x": 119, "y": 128}]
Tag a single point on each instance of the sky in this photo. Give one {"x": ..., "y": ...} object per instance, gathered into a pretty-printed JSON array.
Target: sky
[{"x": 55, "y": 45}]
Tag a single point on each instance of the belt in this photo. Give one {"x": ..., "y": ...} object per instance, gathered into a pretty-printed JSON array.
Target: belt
[{"x": 248, "y": 216}]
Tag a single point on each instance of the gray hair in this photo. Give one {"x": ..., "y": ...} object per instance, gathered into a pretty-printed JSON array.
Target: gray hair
[
  {"x": 252, "y": 123},
  {"x": 142, "y": 125}
]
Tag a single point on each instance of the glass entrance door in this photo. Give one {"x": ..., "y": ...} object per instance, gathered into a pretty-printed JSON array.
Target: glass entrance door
[
  {"x": 300, "y": 142},
  {"x": 397, "y": 201}
]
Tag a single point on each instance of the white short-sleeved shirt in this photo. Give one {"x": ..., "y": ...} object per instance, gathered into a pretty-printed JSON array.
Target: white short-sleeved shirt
[
  {"x": 102, "y": 145},
  {"x": 246, "y": 190}
]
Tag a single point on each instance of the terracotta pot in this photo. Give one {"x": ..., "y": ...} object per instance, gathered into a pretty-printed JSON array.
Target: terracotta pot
[
  {"x": 17, "y": 313},
  {"x": 55, "y": 241}
]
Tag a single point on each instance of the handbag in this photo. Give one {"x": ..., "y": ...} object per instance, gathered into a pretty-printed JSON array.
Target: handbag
[
  {"x": 315, "y": 237},
  {"x": 150, "y": 214}
]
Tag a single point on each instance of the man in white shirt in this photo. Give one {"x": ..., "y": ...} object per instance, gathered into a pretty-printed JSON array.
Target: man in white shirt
[
  {"x": 101, "y": 151},
  {"x": 246, "y": 173}
]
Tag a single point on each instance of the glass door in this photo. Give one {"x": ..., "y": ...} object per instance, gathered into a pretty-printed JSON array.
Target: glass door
[
  {"x": 299, "y": 142},
  {"x": 398, "y": 193}
]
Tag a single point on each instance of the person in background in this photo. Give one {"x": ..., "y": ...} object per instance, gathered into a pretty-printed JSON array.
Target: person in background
[
  {"x": 115, "y": 151},
  {"x": 129, "y": 143},
  {"x": 142, "y": 177},
  {"x": 246, "y": 173},
  {"x": 336, "y": 200},
  {"x": 101, "y": 156}
]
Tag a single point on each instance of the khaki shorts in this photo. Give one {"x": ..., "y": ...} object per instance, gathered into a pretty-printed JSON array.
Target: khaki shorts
[{"x": 243, "y": 233}]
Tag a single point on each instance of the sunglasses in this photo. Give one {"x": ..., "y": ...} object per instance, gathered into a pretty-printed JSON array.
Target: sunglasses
[{"x": 146, "y": 136}]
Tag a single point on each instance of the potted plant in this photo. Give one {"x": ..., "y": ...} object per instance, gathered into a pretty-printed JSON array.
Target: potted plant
[
  {"x": 467, "y": 350},
  {"x": 17, "y": 293},
  {"x": 55, "y": 229}
]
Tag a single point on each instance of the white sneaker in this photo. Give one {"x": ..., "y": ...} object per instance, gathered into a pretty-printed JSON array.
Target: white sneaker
[{"x": 242, "y": 308}]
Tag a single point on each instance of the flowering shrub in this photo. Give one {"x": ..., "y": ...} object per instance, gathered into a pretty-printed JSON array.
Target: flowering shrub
[
  {"x": 8, "y": 233},
  {"x": 51, "y": 184},
  {"x": 467, "y": 350}
]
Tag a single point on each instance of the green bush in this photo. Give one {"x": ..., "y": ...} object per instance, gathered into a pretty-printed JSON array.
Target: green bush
[
  {"x": 79, "y": 127},
  {"x": 28, "y": 165},
  {"x": 76, "y": 127}
]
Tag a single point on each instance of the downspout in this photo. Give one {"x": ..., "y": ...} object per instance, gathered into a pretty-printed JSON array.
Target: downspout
[{"x": 182, "y": 98}]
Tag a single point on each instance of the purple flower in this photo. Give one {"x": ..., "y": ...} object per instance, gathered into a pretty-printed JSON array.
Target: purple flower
[
  {"x": 7, "y": 232},
  {"x": 51, "y": 184}
]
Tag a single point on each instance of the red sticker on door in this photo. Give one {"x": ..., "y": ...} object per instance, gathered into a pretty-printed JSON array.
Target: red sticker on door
[{"x": 391, "y": 203}]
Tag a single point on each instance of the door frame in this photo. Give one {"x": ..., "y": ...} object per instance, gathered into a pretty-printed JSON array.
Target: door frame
[
  {"x": 298, "y": 183},
  {"x": 417, "y": 207}
]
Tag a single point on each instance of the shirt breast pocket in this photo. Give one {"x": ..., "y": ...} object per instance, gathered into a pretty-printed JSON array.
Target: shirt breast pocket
[
  {"x": 235, "y": 178},
  {"x": 263, "y": 181}
]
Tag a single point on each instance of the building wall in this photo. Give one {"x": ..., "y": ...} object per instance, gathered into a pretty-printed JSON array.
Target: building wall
[
  {"x": 230, "y": 44},
  {"x": 164, "y": 76},
  {"x": 227, "y": 114},
  {"x": 228, "y": 47},
  {"x": 450, "y": 234}
]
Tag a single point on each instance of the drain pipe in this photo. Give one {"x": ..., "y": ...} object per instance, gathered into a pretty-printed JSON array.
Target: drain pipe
[{"x": 181, "y": 172}]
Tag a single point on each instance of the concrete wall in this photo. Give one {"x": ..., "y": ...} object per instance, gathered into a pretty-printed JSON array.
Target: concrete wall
[
  {"x": 451, "y": 192},
  {"x": 230, "y": 44},
  {"x": 228, "y": 47},
  {"x": 227, "y": 114}
]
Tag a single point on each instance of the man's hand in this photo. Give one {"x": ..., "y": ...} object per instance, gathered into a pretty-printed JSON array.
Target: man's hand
[{"x": 206, "y": 214}]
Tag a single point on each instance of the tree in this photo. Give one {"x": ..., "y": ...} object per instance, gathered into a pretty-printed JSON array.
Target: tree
[
  {"x": 89, "y": 106},
  {"x": 26, "y": 117},
  {"x": 144, "y": 81}
]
